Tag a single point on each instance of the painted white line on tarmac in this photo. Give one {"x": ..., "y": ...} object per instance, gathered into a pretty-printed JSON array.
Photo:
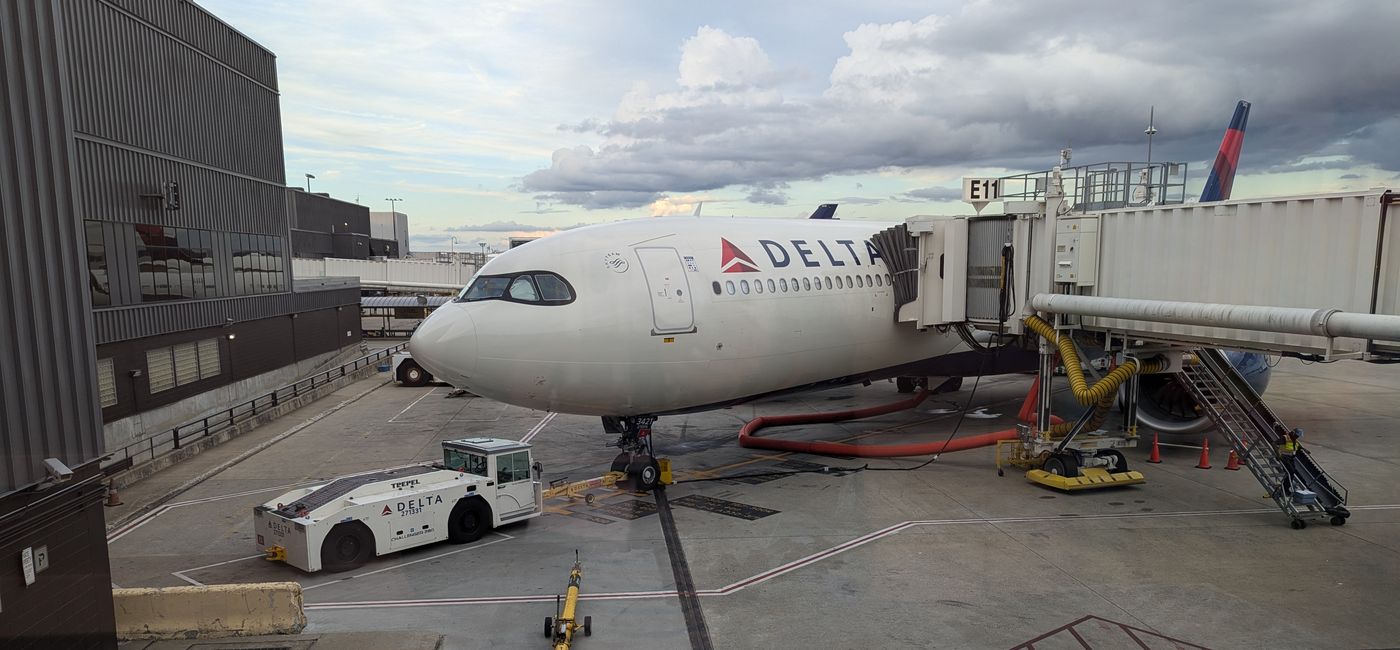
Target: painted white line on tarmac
[
  {"x": 411, "y": 405},
  {"x": 529, "y": 435},
  {"x": 181, "y": 574},
  {"x": 503, "y": 537},
  {"x": 118, "y": 533},
  {"x": 765, "y": 576}
]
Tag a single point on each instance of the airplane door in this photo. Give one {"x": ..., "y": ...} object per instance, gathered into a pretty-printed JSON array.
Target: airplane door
[{"x": 672, "y": 310}]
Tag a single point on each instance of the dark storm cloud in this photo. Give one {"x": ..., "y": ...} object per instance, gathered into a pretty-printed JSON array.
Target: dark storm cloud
[
  {"x": 1008, "y": 84},
  {"x": 925, "y": 194}
]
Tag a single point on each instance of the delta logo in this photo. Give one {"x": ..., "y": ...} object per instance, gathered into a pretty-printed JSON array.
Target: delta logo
[
  {"x": 733, "y": 260},
  {"x": 387, "y": 511}
]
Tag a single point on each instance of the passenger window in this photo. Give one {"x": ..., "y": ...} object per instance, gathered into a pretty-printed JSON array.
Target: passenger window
[
  {"x": 772, "y": 287},
  {"x": 729, "y": 287},
  {"x": 715, "y": 286},
  {"x": 869, "y": 281},
  {"x": 758, "y": 286},
  {"x": 888, "y": 280},
  {"x": 879, "y": 282},
  {"x": 859, "y": 282},
  {"x": 523, "y": 288},
  {"x": 850, "y": 284},
  {"x": 828, "y": 282},
  {"x": 794, "y": 285},
  {"x": 806, "y": 284},
  {"x": 840, "y": 284},
  {"x": 744, "y": 287},
  {"x": 552, "y": 287},
  {"x": 782, "y": 284}
]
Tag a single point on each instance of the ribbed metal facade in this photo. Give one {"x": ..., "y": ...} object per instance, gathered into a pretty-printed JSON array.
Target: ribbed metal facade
[
  {"x": 123, "y": 323},
  {"x": 163, "y": 76},
  {"x": 48, "y": 394}
]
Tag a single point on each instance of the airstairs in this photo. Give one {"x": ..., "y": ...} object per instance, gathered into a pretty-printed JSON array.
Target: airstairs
[{"x": 1296, "y": 483}]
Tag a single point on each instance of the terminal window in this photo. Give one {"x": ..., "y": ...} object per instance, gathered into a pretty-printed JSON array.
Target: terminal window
[
  {"x": 180, "y": 263},
  {"x": 106, "y": 383},
  {"x": 178, "y": 365}
]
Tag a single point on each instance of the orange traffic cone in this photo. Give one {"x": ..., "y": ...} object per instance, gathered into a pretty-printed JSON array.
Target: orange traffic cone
[
  {"x": 1156, "y": 456},
  {"x": 113, "y": 499},
  {"x": 1233, "y": 463},
  {"x": 1205, "y": 454}
]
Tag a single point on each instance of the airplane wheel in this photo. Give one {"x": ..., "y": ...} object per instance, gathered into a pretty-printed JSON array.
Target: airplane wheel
[
  {"x": 415, "y": 376},
  {"x": 645, "y": 473},
  {"x": 588, "y": 626},
  {"x": 548, "y": 627},
  {"x": 348, "y": 546},
  {"x": 905, "y": 384},
  {"x": 468, "y": 521}
]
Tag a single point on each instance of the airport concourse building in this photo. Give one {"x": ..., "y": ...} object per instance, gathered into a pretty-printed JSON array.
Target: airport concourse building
[{"x": 147, "y": 231}]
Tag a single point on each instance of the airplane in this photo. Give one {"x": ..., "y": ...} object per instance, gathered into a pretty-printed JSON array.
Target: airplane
[{"x": 638, "y": 319}]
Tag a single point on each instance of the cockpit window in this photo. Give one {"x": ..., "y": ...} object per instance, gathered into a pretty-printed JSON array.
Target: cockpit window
[
  {"x": 528, "y": 287},
  {"x": 552, "y": 288},
  {"x": 523, "y": 288},
  {"x": 487, "y": 287}
]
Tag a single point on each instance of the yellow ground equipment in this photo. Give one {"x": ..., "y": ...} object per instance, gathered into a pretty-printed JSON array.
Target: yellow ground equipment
[
  {"x": 1077, "y": 455},
  {"x": 561, "y": 627},
  {"x": 577, "y": 489}
]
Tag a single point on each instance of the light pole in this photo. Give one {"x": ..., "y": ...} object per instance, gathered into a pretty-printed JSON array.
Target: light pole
[
  {"x": 391, "y": 206},
  {"x": 308, "y": 183},
  {"x": 453, "y": 249},
  {"x": 483, "y": 253}
]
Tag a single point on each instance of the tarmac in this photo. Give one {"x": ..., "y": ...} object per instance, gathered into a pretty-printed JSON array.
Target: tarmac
[{"x": 947, "y": 554}]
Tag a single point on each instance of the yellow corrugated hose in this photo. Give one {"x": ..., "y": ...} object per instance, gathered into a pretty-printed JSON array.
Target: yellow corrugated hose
[{"x": 1102, "y": 393}]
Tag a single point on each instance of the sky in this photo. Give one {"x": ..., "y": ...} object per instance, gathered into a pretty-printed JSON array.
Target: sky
[{"x": 495, "y": 119}]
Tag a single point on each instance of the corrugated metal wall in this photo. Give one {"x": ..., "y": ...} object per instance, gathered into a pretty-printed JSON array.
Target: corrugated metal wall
[
  {"x": 48, "y": 392},
  {"x": 122, "y": 323},
  {"x": 163, "y": 84},
  {"x": 1313, "y": 252},
  {"x": 112, "y": 179},
  {"x": 325, "y": 214}
]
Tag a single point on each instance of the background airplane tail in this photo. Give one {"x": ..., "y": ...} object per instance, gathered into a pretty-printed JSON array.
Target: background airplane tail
[
  {"x": 1222, "y": 174},
  {"x": 824, "y": 211}
]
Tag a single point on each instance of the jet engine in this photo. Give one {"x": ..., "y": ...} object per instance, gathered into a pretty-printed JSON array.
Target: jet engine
[{"x": 1165, "y": 405}]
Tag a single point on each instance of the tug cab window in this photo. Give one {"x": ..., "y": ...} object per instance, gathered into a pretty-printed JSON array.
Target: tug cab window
[
  {"x": 528, "y": 287},
  {"x": 462, "y": 461}
]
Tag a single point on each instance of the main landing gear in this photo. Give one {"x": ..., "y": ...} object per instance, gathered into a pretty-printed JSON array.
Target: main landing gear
[{"x": 637, "y": 459}]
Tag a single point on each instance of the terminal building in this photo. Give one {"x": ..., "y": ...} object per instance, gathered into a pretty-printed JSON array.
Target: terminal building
[{"x": 149, "y": 236}]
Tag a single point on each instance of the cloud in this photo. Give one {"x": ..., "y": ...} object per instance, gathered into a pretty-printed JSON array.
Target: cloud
[
  {"x": 770, "y": 193},
  {"x": 954, "y": 89},
  {"x": 931, "y": 194},
  {"x": 1350, "y": 177},
  {"x": 857, "y": 200}
]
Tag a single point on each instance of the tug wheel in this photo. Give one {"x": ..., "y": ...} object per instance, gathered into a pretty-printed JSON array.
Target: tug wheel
[
  {"x": 415, "y": 376},
  {"x": 468, "y": 521},
  {"x": 588, "y": 626},
  {"x": 548, "y": 626},
  {"x": 348, "y": 546}
]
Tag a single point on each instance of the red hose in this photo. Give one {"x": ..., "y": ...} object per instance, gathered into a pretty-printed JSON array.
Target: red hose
[{"x": 748, "y": 439}]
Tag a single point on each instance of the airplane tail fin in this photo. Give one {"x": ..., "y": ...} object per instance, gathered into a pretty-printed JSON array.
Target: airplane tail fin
[
  {"x": 824, "y": 211},
  {"x": 697, "y": 208},
  {"x": 1222, "y": 174}
]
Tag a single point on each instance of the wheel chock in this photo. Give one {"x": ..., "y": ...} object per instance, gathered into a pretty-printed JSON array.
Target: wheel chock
[
  {"x": 665, "y": 465},
  {"x": 1090, "y": 478}
]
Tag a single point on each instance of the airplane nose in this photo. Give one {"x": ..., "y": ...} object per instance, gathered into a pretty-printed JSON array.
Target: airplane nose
[{"x": 445, "y": 344}]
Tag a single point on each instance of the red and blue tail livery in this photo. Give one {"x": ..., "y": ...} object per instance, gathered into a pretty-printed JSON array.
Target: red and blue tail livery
[{"x": 1222, "y": 174}]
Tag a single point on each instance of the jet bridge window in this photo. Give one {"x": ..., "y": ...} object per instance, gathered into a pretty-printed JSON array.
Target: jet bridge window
[{"x": 529, "y": 287}]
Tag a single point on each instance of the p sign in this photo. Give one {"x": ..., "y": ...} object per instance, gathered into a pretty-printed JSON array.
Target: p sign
[{"x": 981, "y": 191}]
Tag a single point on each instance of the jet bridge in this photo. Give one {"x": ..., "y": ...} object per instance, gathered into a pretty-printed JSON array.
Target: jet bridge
[{"x": 1162, "y": 286}]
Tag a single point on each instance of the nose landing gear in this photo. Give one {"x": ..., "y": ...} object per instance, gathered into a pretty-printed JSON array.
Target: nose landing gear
[{"x": 637, "y": 459}]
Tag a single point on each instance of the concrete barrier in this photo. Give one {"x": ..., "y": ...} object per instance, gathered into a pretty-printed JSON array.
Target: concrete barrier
[{"x": 209, "y": 612}]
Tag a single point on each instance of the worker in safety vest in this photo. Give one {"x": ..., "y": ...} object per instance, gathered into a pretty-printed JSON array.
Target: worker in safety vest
[{"x": 1291, "y": 443}]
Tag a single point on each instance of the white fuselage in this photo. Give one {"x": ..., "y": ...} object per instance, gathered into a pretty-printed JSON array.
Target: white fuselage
[{"x": 648, "y": 332}]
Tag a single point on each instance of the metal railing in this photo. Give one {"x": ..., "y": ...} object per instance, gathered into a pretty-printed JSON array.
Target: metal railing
[
  {"x": 1105, "y": 186},
  {"x": 173, "y": 438}
]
